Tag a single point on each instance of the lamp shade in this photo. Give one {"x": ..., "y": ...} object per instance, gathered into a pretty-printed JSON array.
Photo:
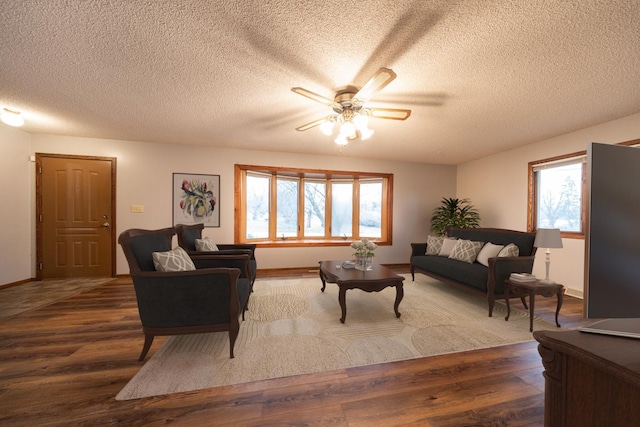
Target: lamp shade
[{"x": 548, "y": 238}]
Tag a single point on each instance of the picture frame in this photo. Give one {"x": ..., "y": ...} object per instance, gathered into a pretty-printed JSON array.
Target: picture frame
[{"x": 196, "y": 199}]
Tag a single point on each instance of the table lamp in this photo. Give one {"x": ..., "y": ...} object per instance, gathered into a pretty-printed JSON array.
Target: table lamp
[{"x": 548, "y": 238}]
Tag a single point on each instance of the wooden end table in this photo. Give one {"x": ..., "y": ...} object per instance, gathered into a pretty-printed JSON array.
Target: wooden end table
[
  {"x": 514, "y": 289},
  {"x": 374, "y": 280}
]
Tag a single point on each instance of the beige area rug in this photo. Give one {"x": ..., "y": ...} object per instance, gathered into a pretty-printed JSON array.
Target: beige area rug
[
  {"x": 28, "y": 296},
  {"x": 292, "y": 328}
]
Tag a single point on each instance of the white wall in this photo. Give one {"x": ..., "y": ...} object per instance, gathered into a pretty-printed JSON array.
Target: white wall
[
  {"x": 16, "y": 209},
  {"x": 144, "y": 177},
  {"x": 497, "y": 186}
]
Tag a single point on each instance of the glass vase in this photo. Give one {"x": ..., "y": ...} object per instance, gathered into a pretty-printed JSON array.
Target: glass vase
[{"x": 364, "y": 262}]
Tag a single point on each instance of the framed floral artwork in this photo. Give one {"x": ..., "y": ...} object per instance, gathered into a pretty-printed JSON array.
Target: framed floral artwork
[{"x": 195, "y": 199}]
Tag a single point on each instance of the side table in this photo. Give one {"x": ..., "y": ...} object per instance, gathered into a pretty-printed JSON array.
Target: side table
[{"x": 513, "y": 289}]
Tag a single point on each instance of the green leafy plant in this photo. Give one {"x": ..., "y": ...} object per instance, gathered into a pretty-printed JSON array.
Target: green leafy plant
[{"x": 454, "y": 212}]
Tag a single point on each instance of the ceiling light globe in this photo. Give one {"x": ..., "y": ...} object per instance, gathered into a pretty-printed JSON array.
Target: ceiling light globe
[
  {"x": 360, "y": 121},
  {"x": 365, "y": 133},
  {"x": 11, "y": 118},
  {"x": 341, "y": 140},
  {"x": 326, "y": 128},
  {"x": 347, "y": 129}
]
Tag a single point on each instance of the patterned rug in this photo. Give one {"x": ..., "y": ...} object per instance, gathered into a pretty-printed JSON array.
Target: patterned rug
[{"x": 292, "y": 328}]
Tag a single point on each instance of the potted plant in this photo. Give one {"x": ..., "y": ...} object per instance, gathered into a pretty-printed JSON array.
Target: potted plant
[{"x": 454, "y": 212}]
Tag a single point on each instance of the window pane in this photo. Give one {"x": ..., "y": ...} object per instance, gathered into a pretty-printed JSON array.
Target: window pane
[
  {"x": 257, "y": 206},
  {"x": 342, "y": 209},
  {"x": 314, "y": 204},
  {"x": 559, "y": 197},
  {"x": 287, "y": 198},
  {"x": 370, "y": 209}
]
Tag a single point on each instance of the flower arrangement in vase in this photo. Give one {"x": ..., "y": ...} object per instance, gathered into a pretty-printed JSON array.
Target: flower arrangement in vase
[{"x": 364, "y": 254}]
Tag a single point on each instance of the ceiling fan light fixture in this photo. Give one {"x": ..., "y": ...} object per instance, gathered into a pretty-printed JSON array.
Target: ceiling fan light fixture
[
  {"x": 11, "y": 117},
  {"x": 365, "y": 133},
  {"x": 341, "y": 140},
  {"x": 348, "y": 130},
  {"x": 327, "y": 127}
]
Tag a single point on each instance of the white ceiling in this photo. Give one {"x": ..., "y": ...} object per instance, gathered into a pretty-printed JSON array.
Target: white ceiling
[{"x": 480, "y": 76}]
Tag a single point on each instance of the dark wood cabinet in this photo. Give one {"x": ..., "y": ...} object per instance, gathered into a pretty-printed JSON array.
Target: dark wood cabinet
[{"x": 590, "y": 379}]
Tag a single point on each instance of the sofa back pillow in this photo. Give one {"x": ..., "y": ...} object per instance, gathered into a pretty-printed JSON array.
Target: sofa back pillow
[
  {"x": 466, "y": 250},
  {"x": 447, "y": 246},
  {"x": 434, "y": 244},
  {"x": 510, "y": 250},
  {"x": 489, "y": 250}
]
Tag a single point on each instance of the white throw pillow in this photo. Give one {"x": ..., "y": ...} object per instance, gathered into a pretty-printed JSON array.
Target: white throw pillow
[
  {"x": 173, "y": 260},
  {"x": 205, "y": 245},
  {"x": 489, "y": 250},
  {"x": 434, "y": 244},
  {"x": 447, "y": 246},
  {"x": 466, "y": 250},
  {"x": 510, "y": 250}
]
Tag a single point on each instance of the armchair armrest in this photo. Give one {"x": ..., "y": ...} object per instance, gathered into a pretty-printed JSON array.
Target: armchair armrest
[
  {"x": 187, "y": 298},
  {"x": 219, "y": 259},
  {"x": 418, "y": 249},
  {"x": 238, "y": 247}
]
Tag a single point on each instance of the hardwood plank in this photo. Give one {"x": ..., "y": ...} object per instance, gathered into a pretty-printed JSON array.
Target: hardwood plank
[{"x": 62, "y": 363}]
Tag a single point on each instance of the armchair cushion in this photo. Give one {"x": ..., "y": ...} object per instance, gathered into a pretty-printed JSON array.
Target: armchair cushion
[
  {"x": 174, "y": 260},
  {"x": 205, "y": 245}
]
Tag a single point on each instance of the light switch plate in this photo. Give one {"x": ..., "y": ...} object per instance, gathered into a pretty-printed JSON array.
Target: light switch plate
[{"x": 137, "y": 208}]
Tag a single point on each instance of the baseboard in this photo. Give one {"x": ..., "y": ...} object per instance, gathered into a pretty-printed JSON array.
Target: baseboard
[
  {"x": 20, "y": 282},
  {"x": 574, "y": 293}
]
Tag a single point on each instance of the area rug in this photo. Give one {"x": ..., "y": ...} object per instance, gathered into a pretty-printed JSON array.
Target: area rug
[{"x": 293, "y": 328}]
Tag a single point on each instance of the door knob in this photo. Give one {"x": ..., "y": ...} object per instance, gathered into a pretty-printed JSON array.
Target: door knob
[{"x": 106, "y": 224}]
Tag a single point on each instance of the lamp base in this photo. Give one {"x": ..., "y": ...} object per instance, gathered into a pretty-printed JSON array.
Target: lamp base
[{"x": 547, "y": 282}]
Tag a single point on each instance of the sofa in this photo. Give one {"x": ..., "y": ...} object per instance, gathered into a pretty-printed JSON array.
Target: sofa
[{"x": 487, "y": 271}]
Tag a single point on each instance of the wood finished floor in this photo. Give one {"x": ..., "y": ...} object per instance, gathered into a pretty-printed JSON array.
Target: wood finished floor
[{"x": 63, "y": 363}]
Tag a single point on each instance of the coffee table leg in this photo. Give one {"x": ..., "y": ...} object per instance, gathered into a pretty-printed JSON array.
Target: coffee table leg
[
  {"x": 532, "y": 302},
  {"x": 506, "y": 300},
  {"x": 399, "y": 296},
  {"x": 560, "y": 292},
  {"x": 343, "y": 304},
  {"x": 323, "y": 281}
]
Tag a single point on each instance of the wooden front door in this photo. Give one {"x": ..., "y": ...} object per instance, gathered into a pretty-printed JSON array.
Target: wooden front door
[{"x": 75, "y": 233}]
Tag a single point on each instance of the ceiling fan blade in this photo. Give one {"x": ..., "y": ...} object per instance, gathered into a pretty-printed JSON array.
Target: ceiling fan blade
[
  {"x": 313, "y": 123},
  {"x": 380, "y": 79},
  {"x": 389, "y": 113},
  {"x": 318, "y": 98}
]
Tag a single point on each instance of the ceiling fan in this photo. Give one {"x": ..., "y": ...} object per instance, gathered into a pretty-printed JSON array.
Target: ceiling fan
[{"x": 350, "y": 111}]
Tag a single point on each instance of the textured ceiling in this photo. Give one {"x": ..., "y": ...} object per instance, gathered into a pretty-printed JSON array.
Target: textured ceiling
[{"x": 480, "y": 76}]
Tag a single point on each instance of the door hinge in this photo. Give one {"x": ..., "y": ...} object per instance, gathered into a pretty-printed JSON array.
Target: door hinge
[
  {"x": 40, "y": 266},
  {"x": 40, "y": 170},
  {"x": 40, "y": 217}
]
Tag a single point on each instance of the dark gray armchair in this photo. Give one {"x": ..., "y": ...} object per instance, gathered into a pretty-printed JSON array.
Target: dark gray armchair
[{"x": 184, "y": 302}]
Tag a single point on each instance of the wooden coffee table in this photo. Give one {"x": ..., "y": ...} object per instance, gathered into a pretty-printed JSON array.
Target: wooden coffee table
[{"x": 374, "y": 280}]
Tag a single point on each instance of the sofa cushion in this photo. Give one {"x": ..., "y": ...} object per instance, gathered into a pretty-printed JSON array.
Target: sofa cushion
[
  {"x": 474, "y": 275},
  {"x": 466, "y": 250},
  {"x": 489, "y": 250},
  {"x": 174, "y": 260},
  {"x": 510, "y": 250},
  {"x": 447, "y": 247}
]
